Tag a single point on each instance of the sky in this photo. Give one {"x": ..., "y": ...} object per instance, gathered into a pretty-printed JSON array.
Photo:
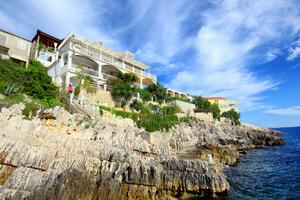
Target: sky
[{"x": 246, "y": 50}]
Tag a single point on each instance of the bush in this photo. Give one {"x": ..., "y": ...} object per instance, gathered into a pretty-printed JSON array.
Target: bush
[
  {"x": 123, "y": 114},
  {"x": 37, "y": 83},
  {"x": 159, "y": 92},
  {"x": 170, "y": 110},
  {"x": 145, "y": 95},
  {"x": 201, "y": 103},
  {"x": 153, "y": 122},
  {"x": 13, "y": 99},
  {"x": 122, "y": 88},
  {"x": 10, "y": 72},
  {"x": 119, "y": 113},
  {"x": 105, "y": 108},
  {"x": 136, "y": 105},
  {"x": 233, "y": 116},
  {"x": 77, "y": 90},
  {"x": 30, "y": 110},
  {"x": 185, "y": 99}
]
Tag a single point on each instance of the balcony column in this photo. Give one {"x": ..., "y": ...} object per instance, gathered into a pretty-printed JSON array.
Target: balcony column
[
  {"x": 100, "y": 71},
  {"x": 141, "y": 83},
  {"x": 69, "y": 62}
]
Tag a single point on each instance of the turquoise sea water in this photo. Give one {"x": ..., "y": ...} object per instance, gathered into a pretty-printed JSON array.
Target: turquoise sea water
[{"x": 268, "y": 173}]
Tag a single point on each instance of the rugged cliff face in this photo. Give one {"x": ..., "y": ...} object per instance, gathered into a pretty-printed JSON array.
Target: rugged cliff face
[{"x": 63, "y": 156}]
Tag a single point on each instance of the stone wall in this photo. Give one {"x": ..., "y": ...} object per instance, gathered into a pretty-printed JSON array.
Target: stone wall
[
  {"x": 101, "y": 97},
  {"x": 187, "y": 108},
  {"x": 204, "y": 116}
]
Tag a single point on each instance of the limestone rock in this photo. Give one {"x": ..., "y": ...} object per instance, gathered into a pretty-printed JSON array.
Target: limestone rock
[{"x": 68, "y": 156}]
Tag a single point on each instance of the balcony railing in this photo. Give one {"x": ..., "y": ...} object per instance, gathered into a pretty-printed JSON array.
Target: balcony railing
[
  {"x": 85, "y": 70},
  {"x": 104, "y": 57}
]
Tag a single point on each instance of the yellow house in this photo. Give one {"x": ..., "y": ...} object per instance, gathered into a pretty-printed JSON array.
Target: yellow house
[{"x": 224, "y": 104}]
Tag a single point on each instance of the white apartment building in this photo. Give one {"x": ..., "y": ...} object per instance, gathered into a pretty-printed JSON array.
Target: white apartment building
[{"x": 77, "y": 55}]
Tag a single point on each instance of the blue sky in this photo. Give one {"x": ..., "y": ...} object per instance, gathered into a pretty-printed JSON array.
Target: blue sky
[{"x": 246, "y": 50}]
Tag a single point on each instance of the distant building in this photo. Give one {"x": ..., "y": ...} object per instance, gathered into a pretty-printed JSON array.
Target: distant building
[
  {"x": 14, "y": 47},
  {"x": 44, "y": 48},
  {"x": 224, "y": 104},
  {"x": 175, "y": 93}
]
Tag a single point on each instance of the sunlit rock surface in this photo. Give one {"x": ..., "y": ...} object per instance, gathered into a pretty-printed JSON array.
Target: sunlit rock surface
[{"x": 58, "y": 155}]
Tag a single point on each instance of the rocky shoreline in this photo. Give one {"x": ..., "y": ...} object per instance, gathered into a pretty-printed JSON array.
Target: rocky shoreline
[{"x": 59, "y": 155}]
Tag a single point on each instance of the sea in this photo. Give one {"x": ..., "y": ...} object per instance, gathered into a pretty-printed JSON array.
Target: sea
[{"x": 268, "y": 173}]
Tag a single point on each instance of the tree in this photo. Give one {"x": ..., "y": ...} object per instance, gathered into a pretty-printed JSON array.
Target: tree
[
  {"x": 233, "y": 115},
  {"x": 159, "y": 93},
  {"x": 136, "y": 105},
  {"x": 201, "y": 103},
  {"x": 145, "y": 95},
  {"x": 122, "y": 88}
]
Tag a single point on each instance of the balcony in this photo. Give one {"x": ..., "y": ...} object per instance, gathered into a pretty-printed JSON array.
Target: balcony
[
  {"x": 85, "y": 70},
  {"x": 110, "y": 59}
]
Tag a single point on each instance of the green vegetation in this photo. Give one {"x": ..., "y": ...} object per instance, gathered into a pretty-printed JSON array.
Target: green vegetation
[
  {"x": 122, "y": 88},
  {"x": 233, "y": 116},
  {"x": 159, "y": 93},
  {"x": 116, "y": 112},
  {"x": 185, "y": 99},
  {"x": 136, "y": 105},
  {"x": 202, "y": 103},
  {"x": 15, "y": 81},
  {"x": 38, "y": 84},
  {"x": 154, "y": 122},
  {"x": 30, "y": 110},
  {"x": 86, "y": 84},
  {"x": 145, "y": 95}
]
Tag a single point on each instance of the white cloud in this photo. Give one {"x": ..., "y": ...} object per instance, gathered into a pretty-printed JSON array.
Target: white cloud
[
  {"x": 272, "y": 54},
  {"x": 164, "y": 38},
  {"x": 294, "y": 50},
  {"x": 291, "y": 111},
  {"x": 60, "y": 18},
  {"x": 233, "y": 36}
]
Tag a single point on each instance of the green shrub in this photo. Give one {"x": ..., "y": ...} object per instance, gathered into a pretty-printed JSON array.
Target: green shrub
[
  {"x": 122, "y": 88},
  {"x": 77, "y": 90},
  {"x": 105, "y": 108},
  {"x": 136, "y": 105},
  {"x": 170, "y": 110},
  {"x": 153, "y": 122},
  {"x": 10, "y": 72},
  {"x": 185, "y": 99},
  {"x": 201, "y": 103},
  {"x": 13, "y": 99},
  {"x": 37, "y": 83},
  {"x": 123, "y": 114},
  {"x": 116, "y": 112},
  {"x": 159, "y": 92},
  {"x": 233, "y": 116},
  {"x": 30, "y": 110},
  {"x": 145, "y": 95}
]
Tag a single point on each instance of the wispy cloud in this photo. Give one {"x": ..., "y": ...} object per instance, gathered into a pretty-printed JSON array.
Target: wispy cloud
[
  {"x": 291, "y": 111},
  {"x": 58, "y": 17},
  {"x": 233, "y": 37},
  {"x": 294, "y": 50}
]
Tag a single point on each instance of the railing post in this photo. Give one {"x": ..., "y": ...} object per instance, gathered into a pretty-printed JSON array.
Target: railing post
[{"x": 71, "y": 98}]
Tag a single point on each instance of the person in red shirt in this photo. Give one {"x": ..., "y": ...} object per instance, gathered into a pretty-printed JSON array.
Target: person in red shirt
[{"x": 70, "y": 88}]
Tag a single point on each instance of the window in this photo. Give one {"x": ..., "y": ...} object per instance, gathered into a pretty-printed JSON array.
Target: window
[
  {"x": 21, "y": 44},
  {"x": 65, "y": 59},
  {"x": 2, "y": 39}
]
